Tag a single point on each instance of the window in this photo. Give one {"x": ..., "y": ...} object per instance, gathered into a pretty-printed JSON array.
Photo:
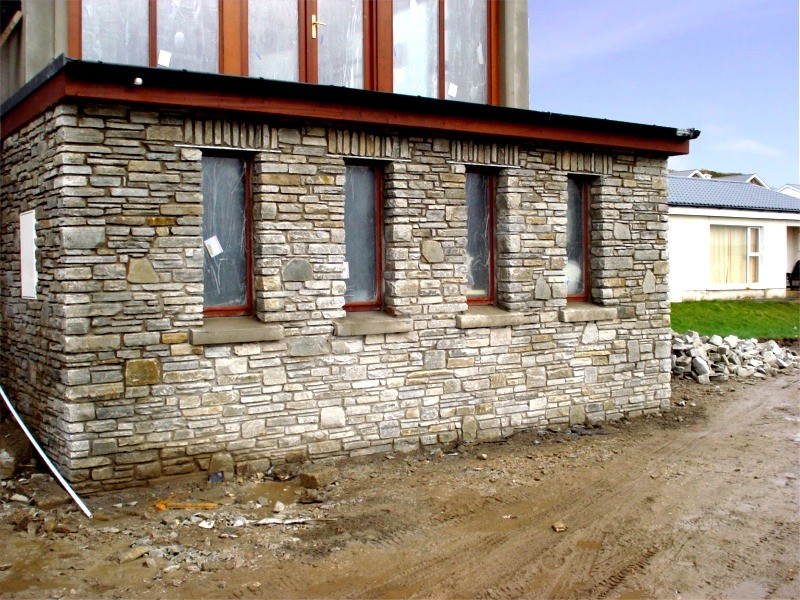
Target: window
[
  {"x": 226, "y": 237},
  {"x": 442, "y": 53},
  {"x": 362, "y": 238},
  {"x": 735, "y": 254},
  {"x": 480, "y": 238},
  {"x": 434, "y": 48},
  {"x": 274, "y": 49},
  {"x": 188, "y": 35},
  {"x": 577, "y": 269},
  {"x": 179, "y": 34},
  {"x": 415, "y": 25},
  {"x": 116, "y": 31}
]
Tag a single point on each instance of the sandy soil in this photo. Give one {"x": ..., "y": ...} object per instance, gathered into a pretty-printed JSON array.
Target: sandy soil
[{"x": 702, "y": 502}]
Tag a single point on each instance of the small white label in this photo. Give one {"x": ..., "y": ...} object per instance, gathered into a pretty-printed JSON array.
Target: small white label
[
  {"x": 480, "y": 54},
  {"x": 452, "y": 90},
  {"x": 346, "y": 271},
  {"x": 213, "y": 246},
  {"x": 163, "y": 58}
]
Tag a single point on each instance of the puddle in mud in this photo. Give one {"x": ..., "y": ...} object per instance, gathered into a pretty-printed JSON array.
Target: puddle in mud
[{"x": 273, "y": 491}]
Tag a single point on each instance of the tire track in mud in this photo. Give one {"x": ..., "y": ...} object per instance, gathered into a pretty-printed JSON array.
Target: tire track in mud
[{"x": 610, "y": 540}]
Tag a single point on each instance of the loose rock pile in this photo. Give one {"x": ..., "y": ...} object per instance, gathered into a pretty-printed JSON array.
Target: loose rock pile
[{"x": 706, "y": 359}]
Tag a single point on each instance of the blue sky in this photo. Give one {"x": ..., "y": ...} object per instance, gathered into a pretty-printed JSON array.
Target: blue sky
[{"x": 726, "y": 67}]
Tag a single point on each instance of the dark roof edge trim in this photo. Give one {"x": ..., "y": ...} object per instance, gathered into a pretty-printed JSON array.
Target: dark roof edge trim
[
  {"x": 109, "y": 82},
  {"x": 738, "y": 208}
]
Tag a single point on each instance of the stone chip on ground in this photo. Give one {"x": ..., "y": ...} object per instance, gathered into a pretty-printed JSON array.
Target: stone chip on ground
[{"x": 317, "y": 477}]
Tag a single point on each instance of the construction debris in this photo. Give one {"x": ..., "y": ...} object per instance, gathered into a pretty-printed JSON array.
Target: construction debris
[{"x": 713, "y": 358}]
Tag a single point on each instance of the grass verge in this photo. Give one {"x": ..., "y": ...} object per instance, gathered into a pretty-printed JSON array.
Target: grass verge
[{"x": 763, "y": 319}]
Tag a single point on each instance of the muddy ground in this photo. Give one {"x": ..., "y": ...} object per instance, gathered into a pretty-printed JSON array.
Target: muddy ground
[{"x": 701, "y": 502}]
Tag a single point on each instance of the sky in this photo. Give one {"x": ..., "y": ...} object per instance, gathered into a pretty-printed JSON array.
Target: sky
[{"x": 726, "y": 67}]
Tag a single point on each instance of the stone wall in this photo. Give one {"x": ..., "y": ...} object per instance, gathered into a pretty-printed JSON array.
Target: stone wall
[{"x": 128, "y": 397}]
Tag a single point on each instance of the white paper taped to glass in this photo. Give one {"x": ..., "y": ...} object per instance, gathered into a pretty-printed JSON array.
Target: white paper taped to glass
[{"x": 213, "y": 246}]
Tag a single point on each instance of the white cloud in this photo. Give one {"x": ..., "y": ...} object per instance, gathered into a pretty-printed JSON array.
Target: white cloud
[{"x": 746, "y": 146}]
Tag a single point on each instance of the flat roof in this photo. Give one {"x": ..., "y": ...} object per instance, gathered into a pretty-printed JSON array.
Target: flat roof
[{"x": 67, "y": 80}]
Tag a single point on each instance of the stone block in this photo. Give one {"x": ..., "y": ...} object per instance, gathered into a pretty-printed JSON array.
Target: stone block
[
  {"x": 255, "y": 428},
  {"x": 141, "y": 271},
  {"x": 432, "y": 251},
  {"x": 274, "y": 375},
  {"x": 332, "y": 417},
  {"x": 142, "y": 372},
  {"x": 83, "y": 238},
  {"x": 469, "y": 427},
  {"x": 222, "y": 462},
  {"x": 542, "y": 290},
  {"x": 149, "y": 470},
  {"x": 308, "y": 346},
  {"x": 298, "y": 270}
]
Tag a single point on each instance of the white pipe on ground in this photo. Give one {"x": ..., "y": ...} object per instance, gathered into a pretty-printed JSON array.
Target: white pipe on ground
[{"x": 47, "y": 461}]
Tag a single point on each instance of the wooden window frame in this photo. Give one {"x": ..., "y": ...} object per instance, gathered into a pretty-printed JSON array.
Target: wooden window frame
[
  {"x": 248, "y": 309},
  {"x": 491, "y": 187},
  {"x": 378, "y": 42},
  {"x": 377, "y": 303},
  {"x": 584, "y": 185}
]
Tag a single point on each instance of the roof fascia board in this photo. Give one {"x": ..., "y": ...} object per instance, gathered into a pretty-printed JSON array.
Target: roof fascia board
[
  {"x": 114, "y": 83},
  {"x": 711, "y": 212}
]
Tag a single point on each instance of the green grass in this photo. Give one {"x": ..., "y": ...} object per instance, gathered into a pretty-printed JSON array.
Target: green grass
[{"x": 770, "y": 319}]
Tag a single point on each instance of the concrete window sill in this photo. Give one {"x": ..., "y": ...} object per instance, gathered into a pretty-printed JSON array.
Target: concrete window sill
[
  {"x": 370, "y": 323},
  {"x": 234, "y": 330},
  {"x": 580, "y": 312},
  {"x": 488, "y": 316}
]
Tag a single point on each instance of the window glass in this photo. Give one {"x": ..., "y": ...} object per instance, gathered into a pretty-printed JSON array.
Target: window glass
[
  {"x": 361, "y": 222},
  {"x": 115, "y": 31},
  {"x": 341, "y": 42},
  {"x": 576, "y": 242},
  {"x": 225, "y": 263},
  {"x": 188, "y": 35},
  {"x": 273, "y": 44},
  {"x": 465, "y": 50},
  {"x": 416, "y": 47},
  {"x": 728, "y": 254},
  {"x": 479, "y": 236}
]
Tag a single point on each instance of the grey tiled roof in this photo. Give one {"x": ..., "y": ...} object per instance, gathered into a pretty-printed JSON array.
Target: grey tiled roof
[
  {"x": 738, "y": 177},
  {"x": 717, "y": 193}
]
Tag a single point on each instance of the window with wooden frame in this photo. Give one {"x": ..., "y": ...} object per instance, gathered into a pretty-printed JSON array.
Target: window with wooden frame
[
  {"x": 578, "y": 240},
  {"x": 434, "y": 48},
  {"x": 480, "y": 257},
  {"x": 363, "y": 237},
  {"x": 227, "y": 261}
]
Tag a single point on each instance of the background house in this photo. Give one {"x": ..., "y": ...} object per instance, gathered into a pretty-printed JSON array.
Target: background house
[
  {"x": 242, "y": 233},
  {"x": 791, "y": 189},
  {"x": 730, "y": 239}
]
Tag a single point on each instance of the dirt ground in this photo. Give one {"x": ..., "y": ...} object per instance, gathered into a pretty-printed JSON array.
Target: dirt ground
[{"x": 701, "y": 502}]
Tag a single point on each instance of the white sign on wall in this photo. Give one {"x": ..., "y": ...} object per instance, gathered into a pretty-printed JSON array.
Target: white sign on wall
[{"x": 27, "y": 250}]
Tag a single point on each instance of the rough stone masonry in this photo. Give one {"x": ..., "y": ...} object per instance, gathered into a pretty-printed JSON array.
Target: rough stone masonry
[{"x": 114, "y": 366}]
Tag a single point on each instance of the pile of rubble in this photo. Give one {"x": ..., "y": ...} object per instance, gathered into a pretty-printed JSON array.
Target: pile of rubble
[{"x": 706, "y": 359}]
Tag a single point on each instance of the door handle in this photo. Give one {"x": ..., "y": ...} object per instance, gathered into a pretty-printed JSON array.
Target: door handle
[{"x": 314, "y": 24}]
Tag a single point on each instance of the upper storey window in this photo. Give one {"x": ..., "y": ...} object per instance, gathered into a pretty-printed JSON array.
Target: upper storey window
[
  {"x": 434, "y": 48},
  {"x": 115, "y": 31},
  {"x": 441, "y": 48}
]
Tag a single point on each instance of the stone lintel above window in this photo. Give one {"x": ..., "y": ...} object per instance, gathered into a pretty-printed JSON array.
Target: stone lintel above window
[
  {"x": 577, "y": 312},
  {"x": 488, "y": 316},
  {"x": 234, "y": 330},
  {"x": 370, "y": 322}
]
